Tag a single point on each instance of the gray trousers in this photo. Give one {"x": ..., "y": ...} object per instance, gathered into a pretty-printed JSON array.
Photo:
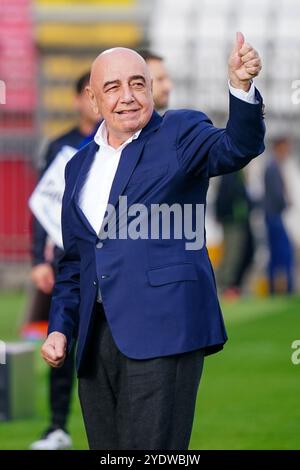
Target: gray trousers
[{"x": 132, "y": 404}]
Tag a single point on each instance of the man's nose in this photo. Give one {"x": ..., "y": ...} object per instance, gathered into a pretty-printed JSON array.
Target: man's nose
[{"x": 127, "y": 95}]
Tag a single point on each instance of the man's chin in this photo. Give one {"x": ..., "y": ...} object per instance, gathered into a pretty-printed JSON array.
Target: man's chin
[{"x": 131, "y": 127}]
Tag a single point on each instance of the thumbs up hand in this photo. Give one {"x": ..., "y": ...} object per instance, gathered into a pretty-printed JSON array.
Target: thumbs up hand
[{"x": 244, "y": 63}]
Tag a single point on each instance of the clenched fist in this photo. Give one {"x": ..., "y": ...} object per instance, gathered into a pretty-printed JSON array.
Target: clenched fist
[
  {"x": 244, "y": 63},
  {"x": 54, "y": 349}
]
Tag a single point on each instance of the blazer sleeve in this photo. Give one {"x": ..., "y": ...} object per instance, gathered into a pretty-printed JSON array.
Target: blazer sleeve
[
  {"x": 64, "y": 310},
  {"x": 206, "y": 150}
]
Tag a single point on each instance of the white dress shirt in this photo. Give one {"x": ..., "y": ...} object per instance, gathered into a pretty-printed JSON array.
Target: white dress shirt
[{"x": 95, "y": 192}]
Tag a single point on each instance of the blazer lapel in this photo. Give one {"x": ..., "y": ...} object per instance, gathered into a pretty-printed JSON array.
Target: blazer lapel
[
  {"x": 130, "y": 157},
  {"x": 87, "y": 161}
]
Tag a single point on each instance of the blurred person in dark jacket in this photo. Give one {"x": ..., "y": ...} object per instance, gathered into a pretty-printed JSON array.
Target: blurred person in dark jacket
[
  {"x": 281, "y": 256},
  {"x": 45, "y": 257},
  {"x": 161, "y": 81},
  {"x": 233, "y": 207}
]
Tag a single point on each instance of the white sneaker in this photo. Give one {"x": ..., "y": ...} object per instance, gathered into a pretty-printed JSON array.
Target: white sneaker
[{"x": 53, "y": 440}]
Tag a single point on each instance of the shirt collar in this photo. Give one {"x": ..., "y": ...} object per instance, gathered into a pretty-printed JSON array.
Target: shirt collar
[{"x": 101, "y": 137}]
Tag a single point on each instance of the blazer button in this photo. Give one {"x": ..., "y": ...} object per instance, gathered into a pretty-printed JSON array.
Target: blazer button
[
  {"x": 94, "y": 283},
  {"x": 104, "y": 276},
  {"x": 99, "y": 245}
]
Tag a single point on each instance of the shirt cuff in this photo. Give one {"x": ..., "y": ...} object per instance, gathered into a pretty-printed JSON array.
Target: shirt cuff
[{"x": 248, "y": 96}]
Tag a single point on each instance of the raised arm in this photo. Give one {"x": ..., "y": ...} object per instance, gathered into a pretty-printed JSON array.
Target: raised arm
[{"x": 209, "y": 151}]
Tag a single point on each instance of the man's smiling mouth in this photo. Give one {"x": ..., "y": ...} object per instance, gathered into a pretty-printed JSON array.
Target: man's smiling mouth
[{"x": 127, "y": 111}]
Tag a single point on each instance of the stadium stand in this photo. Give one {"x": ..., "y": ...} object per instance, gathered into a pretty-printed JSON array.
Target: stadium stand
[{"x": 196, "y": 37}]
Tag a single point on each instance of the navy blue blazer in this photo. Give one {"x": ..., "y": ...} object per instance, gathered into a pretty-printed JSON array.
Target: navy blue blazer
[{"x": 159, "y": 298}]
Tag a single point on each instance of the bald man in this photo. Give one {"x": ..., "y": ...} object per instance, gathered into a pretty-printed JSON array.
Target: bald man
[{"x": 142, "y": 302}]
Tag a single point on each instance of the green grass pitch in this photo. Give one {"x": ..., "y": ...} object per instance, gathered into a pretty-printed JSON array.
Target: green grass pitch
[{"x": 249, "y": 392}]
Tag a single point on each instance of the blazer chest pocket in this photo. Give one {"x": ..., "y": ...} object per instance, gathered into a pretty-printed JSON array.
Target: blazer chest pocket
[
  {"x": 174, "y": 273},
  {"x": 142, "y": 176}
]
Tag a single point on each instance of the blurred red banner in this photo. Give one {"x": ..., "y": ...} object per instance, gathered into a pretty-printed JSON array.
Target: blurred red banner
[{"x": 18, "y": 60}]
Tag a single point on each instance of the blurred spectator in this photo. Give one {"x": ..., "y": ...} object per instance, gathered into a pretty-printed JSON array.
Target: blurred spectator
[
  {"x": 43, "y": 275},
  {"x": 232, "y": 212},
  {"x": 281, "y": 256},
  {"x": 162, "y": 84}
]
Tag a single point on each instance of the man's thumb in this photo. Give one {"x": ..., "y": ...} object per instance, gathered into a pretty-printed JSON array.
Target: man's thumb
[
  {"x": 59, "y": 346},
  {"x": 239, "y": 41}
]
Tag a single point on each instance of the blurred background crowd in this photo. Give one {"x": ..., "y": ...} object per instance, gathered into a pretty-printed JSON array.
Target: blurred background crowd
[{"x": 46, "y": 49}]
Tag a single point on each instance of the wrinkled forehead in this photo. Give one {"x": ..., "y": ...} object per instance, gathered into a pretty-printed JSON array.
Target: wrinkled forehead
[{"x": 119, "y": 67}]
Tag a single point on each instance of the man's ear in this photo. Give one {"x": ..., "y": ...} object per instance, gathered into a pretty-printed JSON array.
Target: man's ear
[{"x": 92, "y": 99}]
